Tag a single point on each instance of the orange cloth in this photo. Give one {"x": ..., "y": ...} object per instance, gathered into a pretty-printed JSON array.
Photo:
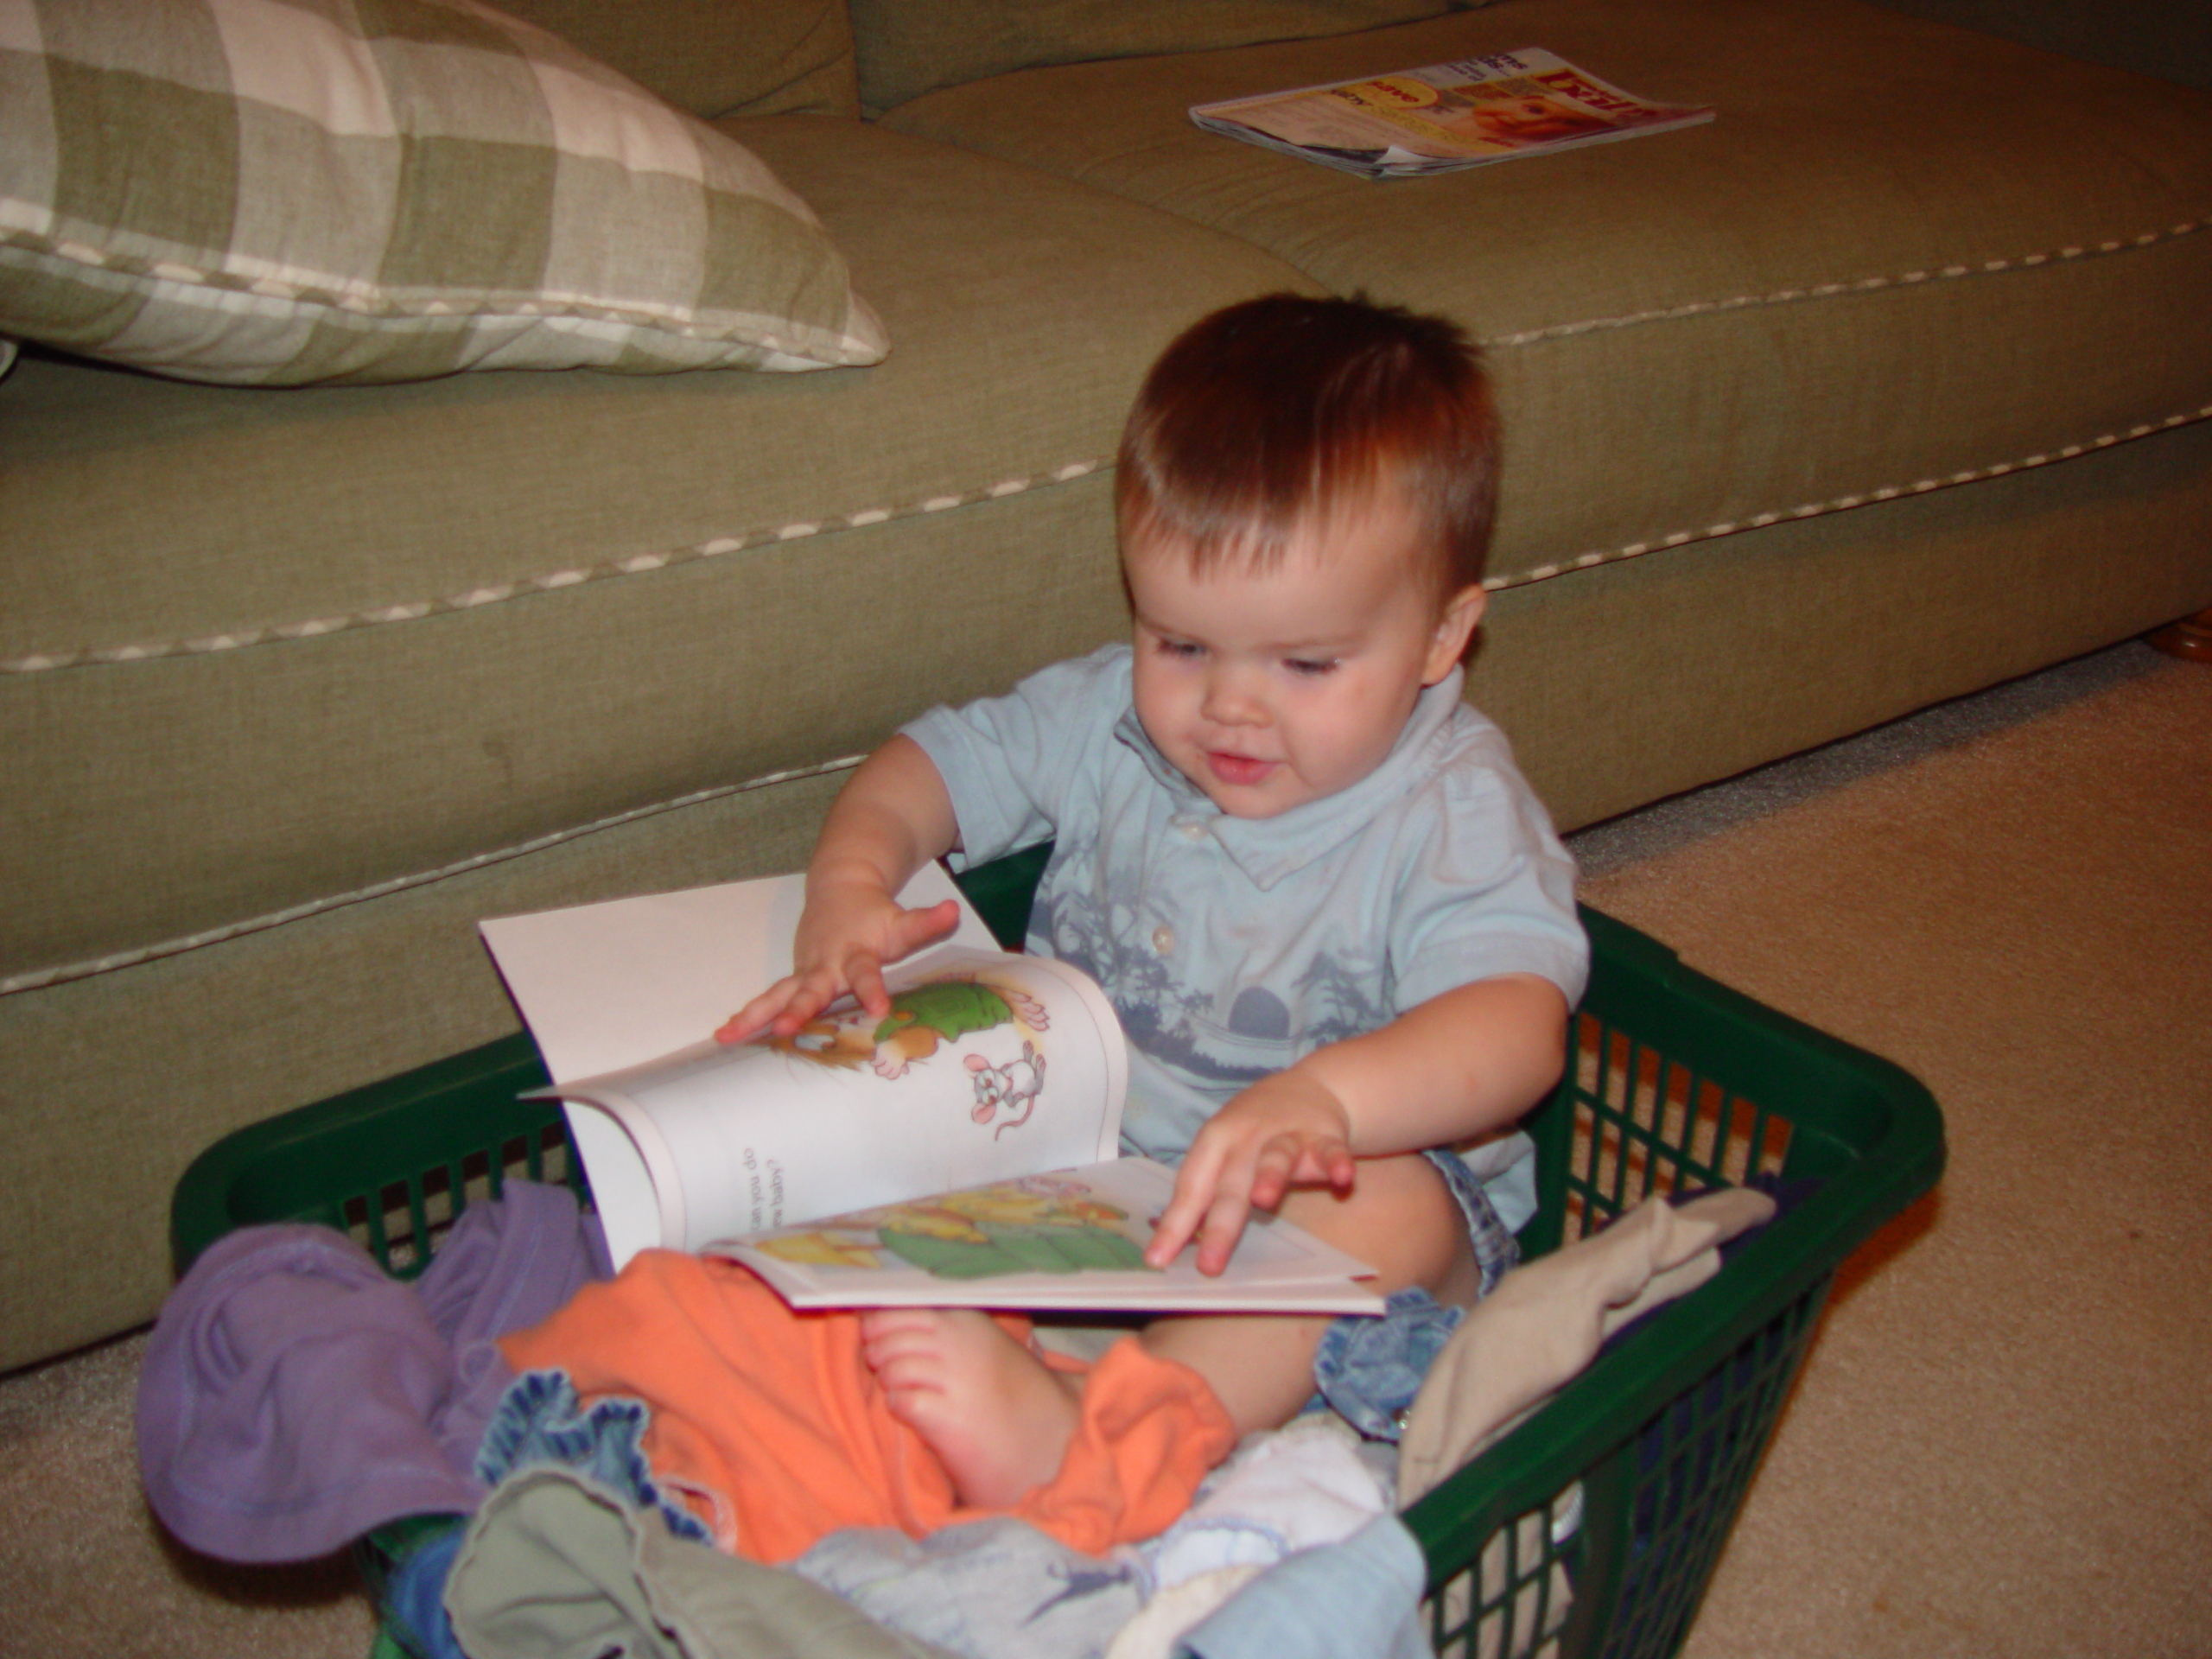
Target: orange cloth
[{"x": 772, "y": 1421}]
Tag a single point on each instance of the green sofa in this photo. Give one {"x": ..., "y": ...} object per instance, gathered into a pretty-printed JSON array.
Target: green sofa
[{"x": 1890, "y": 383}]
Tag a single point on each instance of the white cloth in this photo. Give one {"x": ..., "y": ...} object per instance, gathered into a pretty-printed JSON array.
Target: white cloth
[
  {"x": 1304, "y": 1487},
  {"x": 1294, "y": 1488}
]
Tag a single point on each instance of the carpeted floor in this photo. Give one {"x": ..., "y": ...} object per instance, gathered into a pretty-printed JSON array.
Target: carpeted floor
[{"x": 2002, "y": 1443}]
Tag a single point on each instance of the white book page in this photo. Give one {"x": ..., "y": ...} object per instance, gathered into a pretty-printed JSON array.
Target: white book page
[
  {"x": 1068, "y": 1239},
  {"x": 608, "y": 986},
  {"x": 990, "y": 1067},
  {"x": 684, "y": 1139}
]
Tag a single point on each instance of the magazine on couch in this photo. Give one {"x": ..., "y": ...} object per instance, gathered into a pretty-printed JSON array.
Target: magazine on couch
[
  {"x": 960, "y": 1151},
  {"x": 1445, "y": 116}
]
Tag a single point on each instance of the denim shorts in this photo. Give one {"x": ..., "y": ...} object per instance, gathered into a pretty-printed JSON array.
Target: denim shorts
[{"x": 1369, "y": 1368}]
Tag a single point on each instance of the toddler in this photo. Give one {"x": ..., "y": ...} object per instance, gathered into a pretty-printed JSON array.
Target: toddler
[{"x": 1337, "y": 925}]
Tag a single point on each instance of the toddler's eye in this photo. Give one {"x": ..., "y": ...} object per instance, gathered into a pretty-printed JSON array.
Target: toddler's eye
[
  {"x": 1181, "y": 650},
  {"x": 1311, "y": 667}
]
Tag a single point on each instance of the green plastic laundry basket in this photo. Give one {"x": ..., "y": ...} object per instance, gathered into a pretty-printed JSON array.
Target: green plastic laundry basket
[{"x": 1592, "y": 1529}]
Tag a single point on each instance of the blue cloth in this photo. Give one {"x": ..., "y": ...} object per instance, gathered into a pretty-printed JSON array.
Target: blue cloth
[
  {"x": 1362, "y": 1597},
  {"x": 1369, "y": 1369},
  {"x": 413, "y": 1603},
  {"x": 1497, "y": 1251},
  {"x": 540, "y": 1420},
  {"x": 1233, "y": 947}
]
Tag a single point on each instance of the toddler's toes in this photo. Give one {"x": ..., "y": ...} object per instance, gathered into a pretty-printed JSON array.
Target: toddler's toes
[{"x": 998, "y": 1420}]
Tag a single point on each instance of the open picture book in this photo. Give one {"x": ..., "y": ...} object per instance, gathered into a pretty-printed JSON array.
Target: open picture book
[{"x": 960, "y": 1152}]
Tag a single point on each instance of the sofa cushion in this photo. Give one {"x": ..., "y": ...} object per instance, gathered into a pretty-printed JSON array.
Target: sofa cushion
[
  {"x": 1810, "y": 304},
  {"x": 266, "y": 654},
  {"x": 2169, "y": 38},
  {"x": 716, "y": 57},
  {"x": 907, "y": 47},
  {"x": 281, "y": 191}
]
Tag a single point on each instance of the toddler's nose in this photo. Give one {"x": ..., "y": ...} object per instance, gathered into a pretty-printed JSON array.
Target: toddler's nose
[{"x": 1231, "y": 700}]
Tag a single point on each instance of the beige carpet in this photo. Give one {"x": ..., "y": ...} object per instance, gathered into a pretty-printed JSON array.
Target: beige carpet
[{"x": 2003, "y": 1442}]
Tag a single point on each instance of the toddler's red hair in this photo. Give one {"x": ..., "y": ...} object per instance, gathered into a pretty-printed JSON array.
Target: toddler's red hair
[{"x": 1264, "y": 413}]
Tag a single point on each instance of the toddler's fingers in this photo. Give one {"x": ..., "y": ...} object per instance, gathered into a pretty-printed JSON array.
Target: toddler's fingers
[
  {"x": 1225, "y": 1201},
  {"x": 1328, "y": 1162},
  {"x": 1170, "y": 1233},
  {"x": 864, "y": 973},
  {"x": 915, "y": 928},
  {"x": 1289, "y": 1160},
  {"x": 1186, "y": 1208},
  {"x": 1276, "y": 1167},
  {"x": 757, "y": 1015},
  {"x": 1223, "y": 1225},
  {"x": 810, "y": 994}
]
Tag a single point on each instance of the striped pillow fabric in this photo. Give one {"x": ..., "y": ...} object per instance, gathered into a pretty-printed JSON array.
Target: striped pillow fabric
[{"x": 293, "y": 192}]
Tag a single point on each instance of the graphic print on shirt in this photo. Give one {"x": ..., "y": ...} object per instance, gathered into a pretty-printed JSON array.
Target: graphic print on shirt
[{"x": 1222, "y": 1037}]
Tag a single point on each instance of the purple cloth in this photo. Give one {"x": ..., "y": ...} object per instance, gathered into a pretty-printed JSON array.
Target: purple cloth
[{"x": 295, "y": 1395}]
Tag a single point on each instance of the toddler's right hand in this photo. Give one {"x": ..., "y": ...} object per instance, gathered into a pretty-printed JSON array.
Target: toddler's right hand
[
  {"x": 846, "y": 934},
  {"x": 1285, "y": 1131}
]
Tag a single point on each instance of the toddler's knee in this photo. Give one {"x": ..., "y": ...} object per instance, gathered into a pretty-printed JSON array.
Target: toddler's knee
[{"x": 1401, "y": 1220}]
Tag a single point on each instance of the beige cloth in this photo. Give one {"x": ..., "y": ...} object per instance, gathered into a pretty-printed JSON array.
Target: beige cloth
[
  {"x": 555, "y": 1566},
  {"x": 1546, "y": 1320}
]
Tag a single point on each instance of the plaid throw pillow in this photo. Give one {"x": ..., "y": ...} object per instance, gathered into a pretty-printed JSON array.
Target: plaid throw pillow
[{"x": 283, "y": 192}]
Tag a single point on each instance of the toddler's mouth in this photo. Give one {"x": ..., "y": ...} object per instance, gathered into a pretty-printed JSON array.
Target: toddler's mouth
[{"x": 1240, "y": 770}]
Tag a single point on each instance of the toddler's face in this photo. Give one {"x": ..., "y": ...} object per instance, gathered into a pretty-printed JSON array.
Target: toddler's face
[{"x": 1271, "y": 688}]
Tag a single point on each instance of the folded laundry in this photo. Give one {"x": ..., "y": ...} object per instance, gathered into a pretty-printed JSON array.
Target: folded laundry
[
  {"x": 999, "y": 1589},
  {"x": 556, "y": 1563},
  {"x": 1547, "y": 1319},
  {"x": 1311, "y": 1482},
  {"x": 1309, "y": 1489},
  {"x": 991, "y": 1589},
  {"x": 1361, "y": 1596},
  {"x": 539, "y": 1423},
  {"x": 559, "y": 1560},
  {"x": 295, "y": 1395},
  {"x": 773, "y": 1424}
]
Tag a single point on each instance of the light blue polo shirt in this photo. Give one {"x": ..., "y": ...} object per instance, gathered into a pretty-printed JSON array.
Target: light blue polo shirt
[{"x": 1232, "y": 947}]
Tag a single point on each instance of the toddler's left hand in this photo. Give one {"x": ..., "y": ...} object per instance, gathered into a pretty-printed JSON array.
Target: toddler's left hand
[{"x": 1282, "y": 1132}]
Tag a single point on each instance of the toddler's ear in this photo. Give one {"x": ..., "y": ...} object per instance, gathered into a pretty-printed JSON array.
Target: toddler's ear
[{"x": 1463, "y": 613}]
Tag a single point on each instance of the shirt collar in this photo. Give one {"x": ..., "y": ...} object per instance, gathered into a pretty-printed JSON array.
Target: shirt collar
[{"x": 1268, "y": 850}]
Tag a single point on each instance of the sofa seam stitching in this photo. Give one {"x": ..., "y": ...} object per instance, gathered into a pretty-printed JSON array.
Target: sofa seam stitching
[
  {"x": 526, "y": 586},
  {"x": 1858, "y": 285},
  {"x": 40, "y": 978},
  {"x": 1841, "y": 503},
  {"x": 41, "y": 662}
]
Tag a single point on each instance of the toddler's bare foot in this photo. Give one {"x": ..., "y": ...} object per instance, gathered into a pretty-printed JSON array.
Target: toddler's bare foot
[{"x": 995, "y": 1416}]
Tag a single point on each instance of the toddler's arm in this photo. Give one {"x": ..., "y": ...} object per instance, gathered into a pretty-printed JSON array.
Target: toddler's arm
[
  {"x": 891, "y": 817},
  {"x": 1470, "y": 1060}
]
